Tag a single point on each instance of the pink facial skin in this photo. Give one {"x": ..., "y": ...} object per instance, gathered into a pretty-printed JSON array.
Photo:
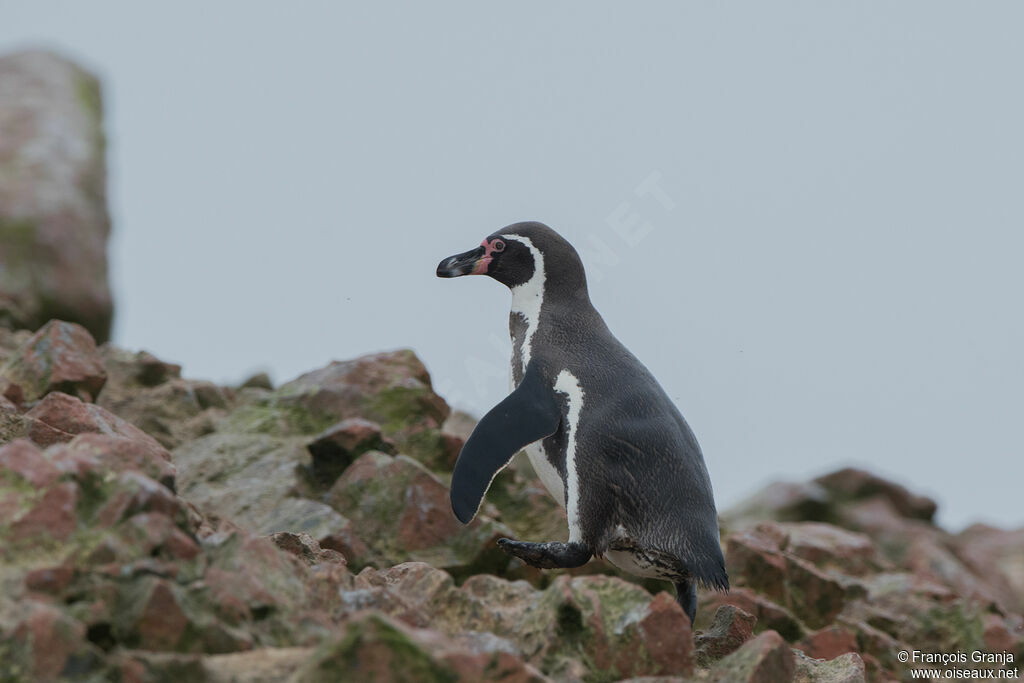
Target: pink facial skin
[{"x": 480, "y": 268}]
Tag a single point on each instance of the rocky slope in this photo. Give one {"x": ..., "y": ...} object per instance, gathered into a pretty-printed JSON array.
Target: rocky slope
[{"x": 156, "y": 528}]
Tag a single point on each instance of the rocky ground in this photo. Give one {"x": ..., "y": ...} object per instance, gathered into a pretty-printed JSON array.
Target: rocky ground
[{"x": 156, "y": 528}]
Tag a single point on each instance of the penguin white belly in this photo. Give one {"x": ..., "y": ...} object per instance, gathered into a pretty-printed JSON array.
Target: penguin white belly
[
  {"x": 635, "y": 564},
  {"x": 633, "y": 560},
  {"x": 549, "y": 476}
]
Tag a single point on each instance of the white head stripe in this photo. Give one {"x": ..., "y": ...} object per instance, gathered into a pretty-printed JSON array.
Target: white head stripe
[{"x": 528, "y": 297}]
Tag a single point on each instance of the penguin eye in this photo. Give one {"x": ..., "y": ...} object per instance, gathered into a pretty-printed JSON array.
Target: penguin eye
[{"x": 497, "y": 245}]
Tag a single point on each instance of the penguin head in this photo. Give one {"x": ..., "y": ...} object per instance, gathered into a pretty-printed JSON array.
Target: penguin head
[{"x": 514, "y": 254}]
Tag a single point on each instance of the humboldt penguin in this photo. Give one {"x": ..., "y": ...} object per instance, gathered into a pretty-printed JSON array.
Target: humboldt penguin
[{"x": 603, "y": 436}]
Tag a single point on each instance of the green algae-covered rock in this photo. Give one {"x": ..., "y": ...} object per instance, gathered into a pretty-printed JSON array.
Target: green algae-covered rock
[
  {"x": 402, "y": 512},
  {"x": 373, "y": 648}
]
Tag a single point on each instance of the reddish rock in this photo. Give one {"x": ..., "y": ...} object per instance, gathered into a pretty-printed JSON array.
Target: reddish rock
[
  {"x": 51, "y": 637},
  {"x": 402, "y": 512},
  {"x": 392, "y": 389},
  {"x": 52, "y": 516},
  {"x": 996, "y": 556},
  {"x": 813, "y": 595},
  {"x": 180, "y": 546},
  {"x": 135, "y": 493},
  {"x": 60, "y": 356},
  {"x": 470, "y": 667},
  {"x": 427, "y": 519},
  {"x": 94, "y": 432},
  {"x": 348, "y": 543},
  {"x": 769, "y": 615},
  {"x": 731, "y": 628},
  {"x": 161, "y": 621},
  {"x": 826, "y": 545},
  {"x": 335, "y": 448},
  {"x": 879, "y": 645},
  {"x": 619, "y": 627},
  {"x": 456, "y": 431},
  {"x": 117, "y": 454},
  {"x": 413, "y": 592},
  {"x": 855, "y": 484},
  {"x": 930, "y": 556},
  {"x": 52, "y": 580},
  {"x": 753, "y": 559},
  {"x": 24, "y": 459},
  {"x": 666, "y": 637},
  {"x": 764, "y": 659},
  {"x": 150, "y": 394},
  {"x": 59, "y": 417},
  {"x": 829, "y": 643},
  {"x": 53, "y": 214},
  {"x": 784, "y": 502},
  {"x": 151, "y": 532},
  {"x": 997, "y": 636}
]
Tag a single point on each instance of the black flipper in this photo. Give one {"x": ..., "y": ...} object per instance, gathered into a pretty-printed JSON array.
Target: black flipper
[{"x": 528, "y": 414}]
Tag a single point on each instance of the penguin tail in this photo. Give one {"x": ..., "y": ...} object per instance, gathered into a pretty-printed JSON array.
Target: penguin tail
[{"x": 711, "y": 574}]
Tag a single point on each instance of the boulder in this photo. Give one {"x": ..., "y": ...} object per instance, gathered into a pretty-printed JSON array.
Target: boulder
[
  {"x": 854, "y": 484},
  {"x": 770, "y": 559},
  {"x": 783, "y": 502},
  {"x": 455, "y": 432},
  {"x": 731, "y": 628},
  {"x": 335, "y": 448},
  {"x": 599, "y": 625},
  {"x": 46, "y": 644},
  {"x": 375, "y": 648},
  {"x": 392, "y": 389},
  {"x": 402, "y": 512},
  {"x": 770, "y": 615},
  {"x": 996, "y": 556},
  {"x": 88, "y": 429},
  {"x": 53, "y": 214},
  {"x": 60, "y": 356},
  {"x": 847, "y": 668},
  {"x": 829, "y": 642},
  {"x": 23, "y": 460},
  {"x": 260, "y": 380},
  {"x": 152, "y": 395},
  {"x": 251, "y": 480},
  {"x": 766, "y": 658}
]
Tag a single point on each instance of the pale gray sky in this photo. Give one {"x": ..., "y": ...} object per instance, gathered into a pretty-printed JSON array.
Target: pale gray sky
[{"x": 833, "y": 275}]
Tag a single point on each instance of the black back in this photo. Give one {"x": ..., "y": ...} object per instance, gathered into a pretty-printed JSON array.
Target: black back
[{"x": 638, "y": 462}]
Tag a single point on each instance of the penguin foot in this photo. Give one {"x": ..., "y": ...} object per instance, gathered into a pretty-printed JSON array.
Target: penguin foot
[
  {"x": 548, "y": 555},
  {"x": 686, "y": 595}
]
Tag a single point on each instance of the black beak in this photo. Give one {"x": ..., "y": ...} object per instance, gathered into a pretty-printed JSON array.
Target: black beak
[{"x": 460, "y": 264}]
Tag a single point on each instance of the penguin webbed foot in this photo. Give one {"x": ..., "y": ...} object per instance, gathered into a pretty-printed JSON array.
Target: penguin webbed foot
[
  {"x": 686, "y": 596},
  {"x": 550, "y": 555}
]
